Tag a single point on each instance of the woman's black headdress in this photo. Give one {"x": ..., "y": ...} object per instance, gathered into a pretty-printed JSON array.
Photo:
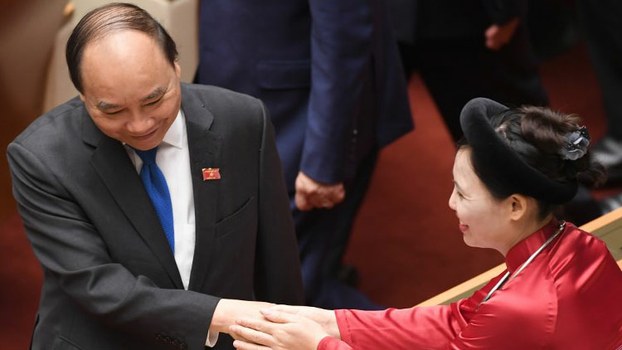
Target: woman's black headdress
[{"x": 497, "y": 164}]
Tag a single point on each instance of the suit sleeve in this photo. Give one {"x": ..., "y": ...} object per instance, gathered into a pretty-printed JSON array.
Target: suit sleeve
[
  {"x": 277, "y": 276},
  {"x": 75, "y": 257},
  {"x": 341, "y": 37},
  {"x": 502, "y": 11}
]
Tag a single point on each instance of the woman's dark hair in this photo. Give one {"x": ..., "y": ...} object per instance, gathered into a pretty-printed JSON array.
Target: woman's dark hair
[
  {"x": 539, "y": 136},
  {"x": 107, "y": 19}
]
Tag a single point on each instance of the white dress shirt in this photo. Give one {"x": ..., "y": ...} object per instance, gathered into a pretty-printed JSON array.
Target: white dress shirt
[{"x": 173, "y": 160}]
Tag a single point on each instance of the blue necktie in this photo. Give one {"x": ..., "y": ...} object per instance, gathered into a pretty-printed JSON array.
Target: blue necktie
[{"x": 157, "y": 189}]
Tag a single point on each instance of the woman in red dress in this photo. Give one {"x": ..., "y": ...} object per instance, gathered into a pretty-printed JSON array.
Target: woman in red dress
[{"x": 562, "y": 288}]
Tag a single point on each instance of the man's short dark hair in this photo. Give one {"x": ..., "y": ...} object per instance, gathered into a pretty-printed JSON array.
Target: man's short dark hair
[{"x": 107, "y": 19}]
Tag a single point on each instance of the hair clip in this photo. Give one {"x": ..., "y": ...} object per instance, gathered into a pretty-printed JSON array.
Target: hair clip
[{"x": 576, "y": 144}]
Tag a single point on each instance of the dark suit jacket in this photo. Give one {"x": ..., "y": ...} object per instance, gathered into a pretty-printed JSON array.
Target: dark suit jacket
[
  {"x": 438, "y": 19},
  {"x": 111, "y": 281},
  {"x": 328, "y": 72}
]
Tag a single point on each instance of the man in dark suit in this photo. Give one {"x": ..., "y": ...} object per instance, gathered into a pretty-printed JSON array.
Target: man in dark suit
[
  {"x": 467, "y": 49},
  {"x": 114, "y": 275},
  {"x": 330, "y": 76},
  {"x": 601, "y": 24}
]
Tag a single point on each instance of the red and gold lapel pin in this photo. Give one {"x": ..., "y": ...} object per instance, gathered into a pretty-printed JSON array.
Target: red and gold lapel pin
[{"x": 211, "y": 174}]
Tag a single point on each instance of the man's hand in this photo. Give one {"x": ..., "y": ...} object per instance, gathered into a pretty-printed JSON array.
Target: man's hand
[
  {"x": 229, "y": 310},
  {"x": 498, "y": 36},
  {"x": 311, "y": 194}
]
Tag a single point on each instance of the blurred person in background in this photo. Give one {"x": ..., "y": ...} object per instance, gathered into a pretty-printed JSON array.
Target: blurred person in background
[
  {"x": 602, "y": 28},
  {"x": 465, "y": 49},
  {"x": 330, "y": 76}
]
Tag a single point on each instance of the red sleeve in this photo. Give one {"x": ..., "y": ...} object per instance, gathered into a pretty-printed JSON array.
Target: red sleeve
[
  {"x": 414, "y": 328},
  {"x": 330, "y": 343},
  {"x": 397, "y": 328}
]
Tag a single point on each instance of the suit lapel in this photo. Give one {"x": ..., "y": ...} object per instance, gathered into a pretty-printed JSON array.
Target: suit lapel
[
  {"x": 117, "y": 172},
  {"x": 204, "y": 149}
]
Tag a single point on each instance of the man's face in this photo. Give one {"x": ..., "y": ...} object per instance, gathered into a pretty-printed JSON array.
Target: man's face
[{"x": 131, "y": 91}]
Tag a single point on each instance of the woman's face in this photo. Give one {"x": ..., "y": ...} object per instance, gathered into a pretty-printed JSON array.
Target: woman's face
[{"x": 484, "y": 220}]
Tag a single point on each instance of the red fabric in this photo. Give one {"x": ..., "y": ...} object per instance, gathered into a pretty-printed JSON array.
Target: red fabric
[
  {"x": 330, "y": 343},
  {"x": 569, "y": 297}
]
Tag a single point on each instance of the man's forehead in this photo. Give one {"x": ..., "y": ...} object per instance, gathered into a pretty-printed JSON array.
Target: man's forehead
[
  {"x": 122, "y": 43},
  {"x": 123, "y": 53}
]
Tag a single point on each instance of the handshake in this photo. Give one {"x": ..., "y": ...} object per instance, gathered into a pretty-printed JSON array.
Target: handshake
[{"x": 258, "y": 325}]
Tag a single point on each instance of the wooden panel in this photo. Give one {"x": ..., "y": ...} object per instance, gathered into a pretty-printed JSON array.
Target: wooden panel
[{"x": 608, "y": 227}]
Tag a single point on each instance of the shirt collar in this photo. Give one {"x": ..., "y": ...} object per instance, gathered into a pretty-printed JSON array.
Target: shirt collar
[
  {"x": 519, "y": 253},
  {"x": 174, "y": 135}
]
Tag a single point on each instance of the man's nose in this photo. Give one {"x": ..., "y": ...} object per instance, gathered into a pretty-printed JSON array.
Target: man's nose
[{"x": 139, "y": 123}]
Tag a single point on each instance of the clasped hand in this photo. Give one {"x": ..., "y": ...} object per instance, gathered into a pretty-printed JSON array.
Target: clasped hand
[
  {"x": 498, "y": 35},
  {"x": 285, "y": 327},
  {"x": 311, "y": 194}
]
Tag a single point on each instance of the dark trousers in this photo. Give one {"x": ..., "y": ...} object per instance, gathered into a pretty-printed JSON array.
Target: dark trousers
[
  {"x": 455, "y": 70},
  {"x": 323, "y": 237},
  {"x": 603, "y": 31}
]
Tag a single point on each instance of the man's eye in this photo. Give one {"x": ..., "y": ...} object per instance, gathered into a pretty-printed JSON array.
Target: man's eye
[{"x": 153, "y": 102}]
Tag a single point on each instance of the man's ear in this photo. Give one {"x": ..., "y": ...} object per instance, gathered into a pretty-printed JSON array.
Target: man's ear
[
  {"x": 177, "y": 69},
  {"x": 82, "y": 98}
]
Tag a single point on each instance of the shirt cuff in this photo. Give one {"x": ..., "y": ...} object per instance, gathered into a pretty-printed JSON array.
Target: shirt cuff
[{"x": 212, "y": 338}]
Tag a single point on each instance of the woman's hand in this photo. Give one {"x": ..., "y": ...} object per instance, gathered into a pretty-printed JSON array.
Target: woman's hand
[
  {"x": 326, "y": 318},
  {"x": 280, "y": 330}
]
